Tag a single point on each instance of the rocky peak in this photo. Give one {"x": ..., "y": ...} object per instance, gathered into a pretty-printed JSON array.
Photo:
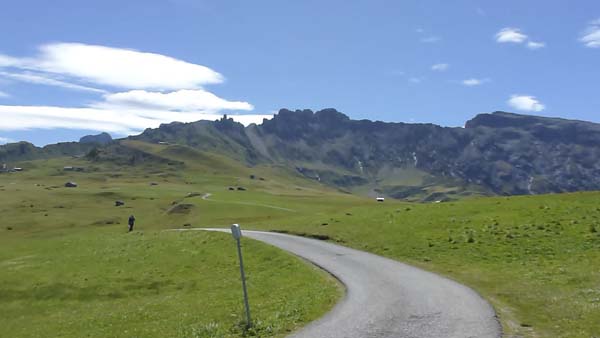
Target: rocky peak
[
  {"x": 500, "y": 119},
  {"x": 330, "y": 116},
  {"x": 228, "y": 124},
  {"x": 102, "y": 138}
]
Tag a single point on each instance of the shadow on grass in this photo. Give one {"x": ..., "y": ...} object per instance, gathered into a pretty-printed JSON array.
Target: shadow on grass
[{"x": 321, "y": 237}]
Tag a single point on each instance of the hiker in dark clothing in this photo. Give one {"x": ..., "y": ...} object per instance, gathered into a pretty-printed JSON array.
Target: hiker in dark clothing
[{"x": 131, "y": 222}]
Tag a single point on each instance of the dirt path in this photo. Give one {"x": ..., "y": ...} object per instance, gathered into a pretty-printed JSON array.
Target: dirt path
[{"x": 207, "y": 195}]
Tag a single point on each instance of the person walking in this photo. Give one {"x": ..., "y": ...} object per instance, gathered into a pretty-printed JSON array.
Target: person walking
[{"x": 131, "y": 222}]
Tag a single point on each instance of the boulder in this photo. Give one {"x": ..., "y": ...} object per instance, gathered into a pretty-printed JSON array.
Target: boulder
[{"x": 71, "y": 185}]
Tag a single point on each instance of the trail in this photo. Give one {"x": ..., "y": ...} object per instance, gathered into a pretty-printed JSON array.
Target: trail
[{"x": 207, "y": 195}]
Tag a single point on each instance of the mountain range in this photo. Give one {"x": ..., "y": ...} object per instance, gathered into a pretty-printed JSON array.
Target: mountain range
[{"x": 499, "y": 153}]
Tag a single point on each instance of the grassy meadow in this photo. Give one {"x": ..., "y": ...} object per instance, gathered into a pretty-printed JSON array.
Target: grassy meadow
[
  {"x": 69, "y": 267},
  {"x": 535, "y": 258}
]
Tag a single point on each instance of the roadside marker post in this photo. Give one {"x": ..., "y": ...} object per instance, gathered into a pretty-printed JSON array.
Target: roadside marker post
[{"x": 236, "y": 232}]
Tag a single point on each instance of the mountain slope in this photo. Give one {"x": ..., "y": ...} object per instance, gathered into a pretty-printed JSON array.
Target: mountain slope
[{"x": 497, "y": 153}]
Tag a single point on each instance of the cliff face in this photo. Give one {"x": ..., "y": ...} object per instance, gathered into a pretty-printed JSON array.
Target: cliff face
[
  {"x": 497, "y": 153},
  {"x": 500, "y": 153}
]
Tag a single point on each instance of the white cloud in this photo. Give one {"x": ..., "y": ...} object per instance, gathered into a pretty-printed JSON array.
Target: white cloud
[
  {"x": 182, "y": 100},
  {"x": 3, "y": 94},
  {"x": 122, "y": 68},
  {"x": 7, "y": 61},
  {"x": 127, "y": 112},
  {"x": 123, "y": 121},
  {"x": 535, "y": 45},
  {"x": 4, "y": 140},
  {"x": 440, "y": 67},
  {"x": 526, "y": 103},
  {"x": 44, "y": 80},
  {"x": 515, "y": 35},
  {"x": 163, "y": 90},
  {"x": 511, "y": 35},
  {"x": 591, "y": 35},
  {"x": 415, "y": 80},
  {"x": 431, "y": 39},
  {"x": 474, "y": 82}
]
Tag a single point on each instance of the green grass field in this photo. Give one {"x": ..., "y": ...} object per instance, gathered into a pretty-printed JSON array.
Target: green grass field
[
  {"x": 68, "y": 265},
  {"x": 104, "y": 283},
  {"x": 70, "y": 269},
  {"x": 536, "y": 258}
]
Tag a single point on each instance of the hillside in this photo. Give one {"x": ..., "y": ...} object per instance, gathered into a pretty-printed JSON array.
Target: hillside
[
  {"x": 494, "y": 154},
  {"x": 497, "y": 153},
  {"x": 71, "y": 269},
  {"x": 66, "y": 250},
  {"x": 518, "y": 252}
]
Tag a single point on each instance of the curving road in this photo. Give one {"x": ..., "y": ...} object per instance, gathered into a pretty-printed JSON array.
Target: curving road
[{"x": 385, "y": 298}]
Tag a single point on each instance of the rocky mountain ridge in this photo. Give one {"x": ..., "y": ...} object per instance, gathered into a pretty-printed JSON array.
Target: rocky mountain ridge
[{"x": 496, "y": 153}]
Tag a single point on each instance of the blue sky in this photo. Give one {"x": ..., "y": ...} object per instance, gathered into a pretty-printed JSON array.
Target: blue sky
[{"x": 69, "y": 68}]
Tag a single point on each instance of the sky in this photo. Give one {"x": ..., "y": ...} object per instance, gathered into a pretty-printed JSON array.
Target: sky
[{"x": 72, "y": 68}]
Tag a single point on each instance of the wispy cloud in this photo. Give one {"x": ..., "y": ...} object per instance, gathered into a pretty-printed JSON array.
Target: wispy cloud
[
  {"x": 516, "y": 36},
  {"x": 123, "y": 121},
  {"x": 160, "y": 89},
  {"x": 3, "y": 94},
  {"x": 8, "y": 61},
  {"x": 431, "y": 39},
  {"x": 526, "y": 103},
  {"x": 474, "y": 82},
  {"x": 116, "y": 67},
  {"x": 591, "y": 35},
  {"x": 535, "y": 45},
  {"x": 45, "y": 80},
  {"x": 5, "y": 140},
  {"x": 416, "y": 80},
  {"x": 183, "y": 100},
  {"x": 440, "y": 67},
  {"x": 127, "y": 112}
]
